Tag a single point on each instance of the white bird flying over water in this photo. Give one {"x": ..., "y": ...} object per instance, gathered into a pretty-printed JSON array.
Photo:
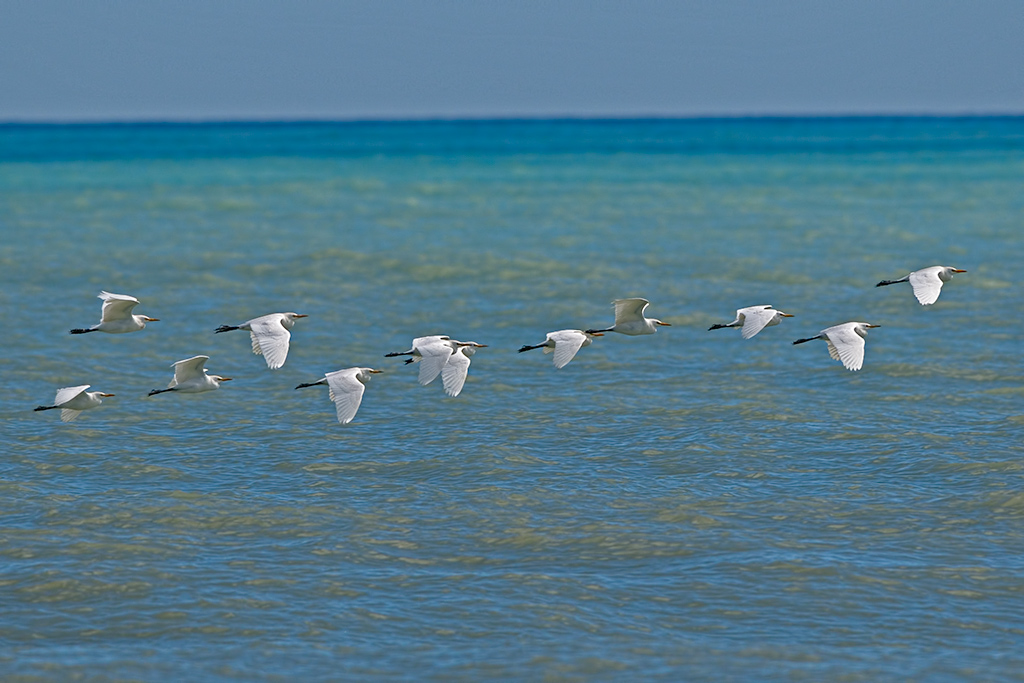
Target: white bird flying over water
[
  {"x": 117, "y": 317},
  {"x": 270, "y": 335},
  {"x": 453, "y": 374},
  {"x": 629, "y": 318},
  {"x": 564, "y": 344},
  {"x": 433, "y": 353},
  {"x": 753, "y": 319},
  {"x": 73, "y": 400},
  {"x": 190, "y": 377},
  {"x": 345, "y": 388},
  {"x": 845, "y": 343},
  {"x": 927, "y": 282}
]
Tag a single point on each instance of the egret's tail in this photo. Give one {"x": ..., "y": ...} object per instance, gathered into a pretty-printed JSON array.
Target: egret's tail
[
  {"x": 158, "y": 391},
  {"x": 79, "y": 330},
  {"x": 45, "y": 407},
  {"x": 527, "y": 347},
  {"x": 801, "y": 341},
  {"x": 225, "y": 328}
]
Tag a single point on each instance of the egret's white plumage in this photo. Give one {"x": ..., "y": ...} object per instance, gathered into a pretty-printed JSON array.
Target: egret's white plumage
[
  {"x": 927, "y": 282},
  {"x": 270, "y": 335},
  {"x": 453, "y": 375},
  {"x": 117, "y": 317},
  {"x": 73, "y": 400},
  {"x": 845, "y": 343},
  {"x": 753, "y": 319},
  {"x": 433, "y": 353},
  {"x": 630, "y": 319},
  {"x": 345, "y": 388},
  {"x": 564, "y": 344},
  {"x": 191, "y": 377}
]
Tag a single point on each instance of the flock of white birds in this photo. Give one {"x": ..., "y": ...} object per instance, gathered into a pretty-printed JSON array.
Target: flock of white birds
[{"x": 439, "y": 355}]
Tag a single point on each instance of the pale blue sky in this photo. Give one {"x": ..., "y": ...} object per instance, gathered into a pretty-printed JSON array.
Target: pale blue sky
[{"x": 248, "y": 59}]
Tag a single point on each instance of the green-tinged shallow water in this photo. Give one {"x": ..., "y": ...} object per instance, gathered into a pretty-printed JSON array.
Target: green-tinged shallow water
[{"x": 682, "y": 506}]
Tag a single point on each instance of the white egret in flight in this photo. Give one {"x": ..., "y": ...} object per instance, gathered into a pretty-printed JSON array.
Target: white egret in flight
[
  {"x": 270, "y": 335},
  {"x": 629, "y": 318},
  {"x": 432, "y": 353},
  {"x": 753, "y": 319},
  {"x": 73, "y": 400},
  {"x": 345, "y": 388},
  {"x": 564, "y": 344},
  {"x": 190, "y": 377},
  {"x": 117, "y": 317},
  {"x": 845, "y": 343},
  {"x": 927, "y": 282}
]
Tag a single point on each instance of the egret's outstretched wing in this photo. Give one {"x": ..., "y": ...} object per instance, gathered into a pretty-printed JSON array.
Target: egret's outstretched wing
[
  {"x": 117, "y": 306},
  {"x": 347, "y": 393},
  {"x": 927, "y": 285},
  {"x": 421, "y": 341},
  {"x": 270, "y": 338},
  {"x": 755, "y": 319},
  {"x": 848, "y": 346},
  {"x": 454, "y": 373},
  {"x": 67, "y": 393},
  {"x": 629, "y": 310},
  {"x": 833, "y": 352},
  {"x": 435, "y": 355},
  {"x": 567, "y": 343},
  {"x": 69, "y": 414},
  {"x": 185, "y": 370}
]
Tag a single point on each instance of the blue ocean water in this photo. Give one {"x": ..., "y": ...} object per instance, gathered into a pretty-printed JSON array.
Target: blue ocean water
[{"x": 681, "y": 506}]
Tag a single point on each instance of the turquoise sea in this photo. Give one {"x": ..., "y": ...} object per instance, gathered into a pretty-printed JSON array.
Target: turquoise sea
[{"x": 681, "y": 506}]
